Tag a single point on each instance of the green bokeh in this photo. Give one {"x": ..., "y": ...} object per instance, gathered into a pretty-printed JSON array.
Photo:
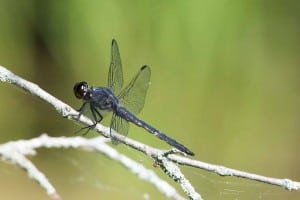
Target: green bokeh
[{"x": 225, "y": 82}]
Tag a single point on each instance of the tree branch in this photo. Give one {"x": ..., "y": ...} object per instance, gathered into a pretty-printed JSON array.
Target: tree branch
[
  {"x": 16, "y": 151},
  {"x": 224, "y": 171},
  {"x": 165, "y": 160},
  {"x": 70, "y": 113}
]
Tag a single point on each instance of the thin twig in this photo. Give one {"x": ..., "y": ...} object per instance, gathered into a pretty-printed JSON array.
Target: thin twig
[
  {"x": 165, "y": 160},
  {"x": 225, "y": 171},
  {"x": 173, "y": 171},
  {"x": 16, "y": 151},
  {"x": 66, "y": 111}
]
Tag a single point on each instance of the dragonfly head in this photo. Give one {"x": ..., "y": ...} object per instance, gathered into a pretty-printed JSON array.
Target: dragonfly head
[{"x": 80, "y": 89}]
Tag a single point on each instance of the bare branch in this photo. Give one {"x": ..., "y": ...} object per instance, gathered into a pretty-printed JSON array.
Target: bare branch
[
  {"x": 224, "y": 171},
  {"x": 173, "y": 171},
  {"x": 165, "y": 160},
  {"x": 16, "y": 151},
  {"x": 70, "y": 113}
]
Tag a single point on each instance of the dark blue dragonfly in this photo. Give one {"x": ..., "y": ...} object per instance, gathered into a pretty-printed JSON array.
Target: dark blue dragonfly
[{"x": 124, "y": 104}]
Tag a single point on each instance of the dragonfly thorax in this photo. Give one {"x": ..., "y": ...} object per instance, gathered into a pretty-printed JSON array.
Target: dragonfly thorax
[{"x": 103, "y": 98}]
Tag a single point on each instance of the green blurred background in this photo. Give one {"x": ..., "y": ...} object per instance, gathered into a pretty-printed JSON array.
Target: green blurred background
[{"x": 225, "y": 82}]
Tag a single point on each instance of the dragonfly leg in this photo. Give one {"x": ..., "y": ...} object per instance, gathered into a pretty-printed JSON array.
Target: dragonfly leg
[
  {"x": 95, "y": 114},
  {"x": 80, "y": 110}
]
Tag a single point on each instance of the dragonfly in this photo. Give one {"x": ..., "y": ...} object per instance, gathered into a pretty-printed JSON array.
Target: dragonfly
[{"x": 124, "y": 104}]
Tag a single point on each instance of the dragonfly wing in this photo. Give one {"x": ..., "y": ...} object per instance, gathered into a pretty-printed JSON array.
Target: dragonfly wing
[
  {"x": 132, "y": 97},
  {"x": 115, "y": 74},
  {"x": 120, "y": 125}
]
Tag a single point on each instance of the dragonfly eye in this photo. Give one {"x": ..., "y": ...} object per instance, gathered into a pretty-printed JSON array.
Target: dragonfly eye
[{"x": 80, "y": 89}]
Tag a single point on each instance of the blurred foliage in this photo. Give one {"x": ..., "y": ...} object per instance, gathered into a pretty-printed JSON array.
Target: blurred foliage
[{"x": 225, "y": 82}]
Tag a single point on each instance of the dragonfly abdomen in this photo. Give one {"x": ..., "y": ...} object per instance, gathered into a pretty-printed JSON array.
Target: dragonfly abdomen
[{"x": 125, "y": 114}]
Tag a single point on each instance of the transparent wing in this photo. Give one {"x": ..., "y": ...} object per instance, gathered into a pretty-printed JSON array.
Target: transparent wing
[
  {"x": 115, "y": 74},
  {"x": 132, "y": 97},
  {"x": 120, "y": 125}
]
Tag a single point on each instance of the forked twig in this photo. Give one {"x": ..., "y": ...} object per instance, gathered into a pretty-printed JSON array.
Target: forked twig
[
  {"x": 70, "y": 113},
  {"x": 166, "y": 160}
]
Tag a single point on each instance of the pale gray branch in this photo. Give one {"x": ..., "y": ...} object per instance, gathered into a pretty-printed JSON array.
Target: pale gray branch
[
  {"x": 165, "y": 160},
  {"x": 70, "y": 113},
  {"x": 16, "y": 151},
  {"x": 224, "y": 171}
]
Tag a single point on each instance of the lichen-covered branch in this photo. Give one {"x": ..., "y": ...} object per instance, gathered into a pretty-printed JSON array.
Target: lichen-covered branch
[
  {"x": 165, "y": 160},
  {"x": 70, "y": 113},
  {"x": 15, "y": 152}
]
